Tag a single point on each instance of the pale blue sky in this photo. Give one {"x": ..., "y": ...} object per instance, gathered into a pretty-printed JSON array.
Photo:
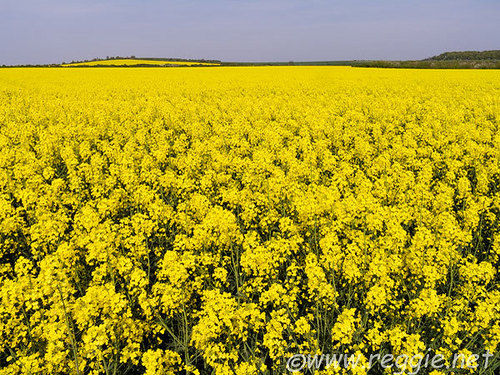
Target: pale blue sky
[{"x": 49, "y": 31}]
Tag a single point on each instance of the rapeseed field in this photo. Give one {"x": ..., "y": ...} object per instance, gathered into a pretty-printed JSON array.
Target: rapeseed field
[{"x": 221, "y": 220}]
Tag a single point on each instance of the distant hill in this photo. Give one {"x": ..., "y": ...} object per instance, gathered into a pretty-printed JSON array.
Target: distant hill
[
  {"x": 447, "y": 60},
  {"x": 137, "y": 62},
  {"x": 430, "y": 64},
  {"x": 467, "y": 56}
]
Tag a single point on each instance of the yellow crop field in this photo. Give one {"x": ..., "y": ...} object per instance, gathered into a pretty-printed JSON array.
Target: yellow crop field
[
  {"x": 226, "y": 220},
  {"x": 132, "y": 62}
]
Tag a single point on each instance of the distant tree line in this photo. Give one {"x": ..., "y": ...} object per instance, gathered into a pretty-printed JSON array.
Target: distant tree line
[
  {"x": 289, "y": 63},
  {"x": 430, "y": 64},
  {"x": 31, "y": 66},
  {"x": 179, "y": 59},
  {"x": 467, "y": 55},
  {"x": 447, "y": 60}
]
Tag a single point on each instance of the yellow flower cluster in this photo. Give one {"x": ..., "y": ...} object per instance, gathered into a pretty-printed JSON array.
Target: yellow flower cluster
[{"x": 219, "y": 220}]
